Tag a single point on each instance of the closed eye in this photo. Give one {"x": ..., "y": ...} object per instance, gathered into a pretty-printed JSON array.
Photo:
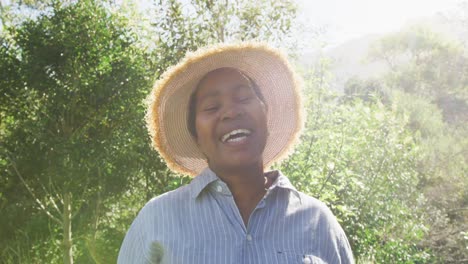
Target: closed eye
[
  {"x": 210, "y": 109},
  {"x": 244, "y": 99}
]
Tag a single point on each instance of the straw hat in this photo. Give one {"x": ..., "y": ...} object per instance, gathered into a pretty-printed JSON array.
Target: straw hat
[{"x": 267, "y": 67}]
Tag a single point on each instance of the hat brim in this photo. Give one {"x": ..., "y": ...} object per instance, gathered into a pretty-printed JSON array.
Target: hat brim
[{"x": 168, "y": 102}]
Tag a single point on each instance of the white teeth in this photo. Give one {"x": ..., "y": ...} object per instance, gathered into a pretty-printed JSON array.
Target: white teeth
[
  {"x": 236, "y": 139},
  {"x": 234, "y": 132}
]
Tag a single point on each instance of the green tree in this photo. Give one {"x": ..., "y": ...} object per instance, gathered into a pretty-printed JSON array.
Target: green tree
[
  {"x": 74, "y": 142},
  {"x": 361, "y": 160},
  {"x": 179, "y": 28},
  {"x": 366, "y": 90},
  {"x": 72, "y": 82},
  {"x": 424, "y": 63},
  {"x": 427, "y": 83}
]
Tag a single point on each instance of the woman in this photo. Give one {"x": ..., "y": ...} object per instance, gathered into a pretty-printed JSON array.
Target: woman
[{"x": 224, "y": 114}]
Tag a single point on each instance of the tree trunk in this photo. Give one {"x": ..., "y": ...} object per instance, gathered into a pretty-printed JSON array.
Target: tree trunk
[
  {"x": 67, "y": 231},
  {"x": 97, "y": 209}
]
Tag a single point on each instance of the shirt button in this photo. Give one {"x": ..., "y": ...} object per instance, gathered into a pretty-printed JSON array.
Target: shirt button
[
  {"x": 306, "y": 260},
  {"x": 249, "y": 237},
  {"x": 219, "y": 188}
]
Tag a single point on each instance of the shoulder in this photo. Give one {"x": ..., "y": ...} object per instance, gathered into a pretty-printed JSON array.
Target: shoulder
[
  {"x": 302, "y": 201},
  {"x": 311, "y": 203},
  {"x": 158, "y": 212},
  {"x": 320, "y": 214},
  {"x": 171, "y": 199},
  {"x": 298, "y": 199},
  {"x": 334, "y": 243},
  {"x": 150, "y": 221}
]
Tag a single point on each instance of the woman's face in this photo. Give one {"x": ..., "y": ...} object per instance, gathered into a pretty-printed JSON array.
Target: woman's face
[{"x": 230, "y": 121}]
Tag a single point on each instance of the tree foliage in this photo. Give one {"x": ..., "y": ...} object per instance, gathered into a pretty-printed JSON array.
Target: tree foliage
[
  {"x": 360, "y": 159},
  {"x": 427, "y": 83},
  {"x": 180, "y": 28},
  {"x": 72, "y": 83},
  {"x": 74, "y": 80},
  {"x": 388, "y": 156}
]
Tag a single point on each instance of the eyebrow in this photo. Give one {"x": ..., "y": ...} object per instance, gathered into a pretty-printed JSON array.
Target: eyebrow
[
  {"x": 211, "y": 94},
  {"x": 216, "y": 93}
]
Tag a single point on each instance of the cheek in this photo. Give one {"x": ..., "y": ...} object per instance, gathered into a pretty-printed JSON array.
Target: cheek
[{"x": 203, "y": 128}]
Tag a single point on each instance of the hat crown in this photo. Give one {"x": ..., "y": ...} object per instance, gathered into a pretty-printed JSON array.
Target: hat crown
[{"x": 168, "y": 102}]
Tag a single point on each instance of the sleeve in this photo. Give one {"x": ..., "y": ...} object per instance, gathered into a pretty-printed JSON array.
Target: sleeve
[
  {"x": 343, "y": 253},
  {"x": 335, "y": 245},
  {"x": 133, "y": 249}
]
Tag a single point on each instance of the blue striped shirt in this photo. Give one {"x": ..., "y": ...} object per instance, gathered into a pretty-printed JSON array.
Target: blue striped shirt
[{"x": 200, "y": 223}]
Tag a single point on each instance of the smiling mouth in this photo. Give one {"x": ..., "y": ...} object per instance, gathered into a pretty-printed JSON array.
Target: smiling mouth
[{"x": 236, "y": 135}]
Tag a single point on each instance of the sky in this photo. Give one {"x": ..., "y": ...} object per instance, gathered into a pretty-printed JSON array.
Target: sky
[{"x": 344, "y": 20}]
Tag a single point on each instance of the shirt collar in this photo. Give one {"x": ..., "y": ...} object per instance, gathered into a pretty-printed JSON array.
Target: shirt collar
[
  {"x": 282, "y": 182},
  {"x": 207, "y": 176},
  {"x": 202, "y": 180}
]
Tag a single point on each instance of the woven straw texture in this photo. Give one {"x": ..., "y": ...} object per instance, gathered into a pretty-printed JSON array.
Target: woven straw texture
[{"x": 168, "y": 102}]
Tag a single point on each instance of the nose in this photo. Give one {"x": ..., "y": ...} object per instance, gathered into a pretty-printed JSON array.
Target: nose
[{"x": 232, "y": 111}]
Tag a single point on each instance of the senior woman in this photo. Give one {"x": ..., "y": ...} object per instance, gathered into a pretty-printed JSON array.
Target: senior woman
[{"x": 224, "y": 114}]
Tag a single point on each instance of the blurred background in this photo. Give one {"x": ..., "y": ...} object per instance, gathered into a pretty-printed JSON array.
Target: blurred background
[{"x": 385, "y": 144}]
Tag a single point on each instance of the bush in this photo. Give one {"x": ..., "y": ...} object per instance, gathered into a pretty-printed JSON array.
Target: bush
[{"x": 361, "y": 159}]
